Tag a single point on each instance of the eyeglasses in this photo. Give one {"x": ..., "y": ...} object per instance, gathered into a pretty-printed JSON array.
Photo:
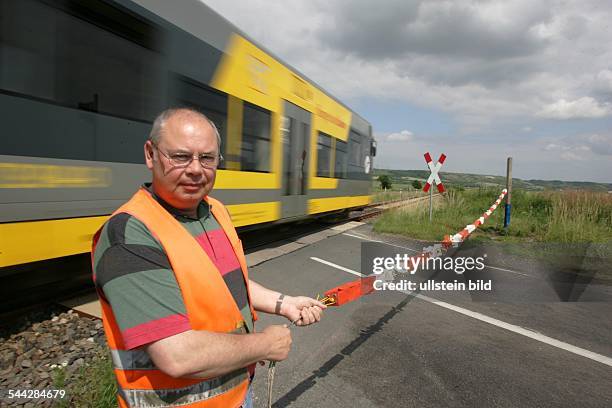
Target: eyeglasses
[{"x": 180, "y": 159}]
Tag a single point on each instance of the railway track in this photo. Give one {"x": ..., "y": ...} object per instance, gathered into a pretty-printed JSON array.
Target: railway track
[{"x": 378, "y": 208}]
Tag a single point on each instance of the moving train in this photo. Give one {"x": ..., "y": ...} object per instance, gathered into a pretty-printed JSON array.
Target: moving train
[{"x": 81, "y": 82}]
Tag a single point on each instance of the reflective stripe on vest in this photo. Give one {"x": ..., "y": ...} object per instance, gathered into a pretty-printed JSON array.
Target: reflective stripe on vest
[
  {"x": 140, "y": 383},
  {"x": 192, "y": 394},
  {"x": 137, "y": 359}
]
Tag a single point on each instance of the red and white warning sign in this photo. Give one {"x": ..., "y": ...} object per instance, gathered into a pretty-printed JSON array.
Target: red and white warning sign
[{"x": 433, "y": 177}]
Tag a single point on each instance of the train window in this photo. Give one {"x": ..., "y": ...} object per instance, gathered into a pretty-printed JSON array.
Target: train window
[
  {"x": 324, "y": 147},
  {"x": 340, "y": 167},
  {"x": 287, "y": 127},
  {"x": 85, "y": 56},
  {"x": 190, "y": 93},
  {"x": 357, "y": 144},
  {"x": 355, "y": 149},
  {"x": 81, "y": 55},
  {"x": 255, "y": 148}
]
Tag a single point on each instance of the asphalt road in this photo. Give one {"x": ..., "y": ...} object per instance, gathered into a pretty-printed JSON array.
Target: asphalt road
[{"x": 392, "y": 349}]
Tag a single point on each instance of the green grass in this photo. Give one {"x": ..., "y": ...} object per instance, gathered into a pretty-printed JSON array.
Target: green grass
[
  {"x": 379, "y": 196},
  {"x": 550, "y": 227},
  {"x": 561, "y": 217},
  {"x": 93, "y": 385},
  {"x": 455, "y": 209}
]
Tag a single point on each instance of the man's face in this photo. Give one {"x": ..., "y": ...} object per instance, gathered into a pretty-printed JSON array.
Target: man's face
[{"x": 183, "y": 187}]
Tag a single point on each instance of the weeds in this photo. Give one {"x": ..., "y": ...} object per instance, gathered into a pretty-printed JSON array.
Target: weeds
[
  {"x": 562, "y": 217},
  {"x": 393, "y": 195},
  {"x": 93, "y": 386}
]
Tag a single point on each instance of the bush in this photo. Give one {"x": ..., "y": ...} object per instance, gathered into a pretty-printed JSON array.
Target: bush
[{"x": 385, "y": 182}]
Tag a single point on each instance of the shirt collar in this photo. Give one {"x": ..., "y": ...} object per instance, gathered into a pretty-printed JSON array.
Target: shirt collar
[{"x": 203, "y": 207}]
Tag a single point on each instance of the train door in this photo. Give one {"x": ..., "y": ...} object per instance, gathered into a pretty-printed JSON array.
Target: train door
[{"x": 295, "y": 133}]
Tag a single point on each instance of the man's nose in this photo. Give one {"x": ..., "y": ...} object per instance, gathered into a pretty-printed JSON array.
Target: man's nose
[{"x": 194, "y": 167}]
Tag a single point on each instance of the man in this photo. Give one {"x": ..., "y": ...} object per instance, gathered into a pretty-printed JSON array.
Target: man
[{"x": 178, "y": 307}]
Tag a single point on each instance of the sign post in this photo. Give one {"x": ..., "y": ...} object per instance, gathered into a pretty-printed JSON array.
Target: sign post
[
  {"x": 433, "y": 177},
  {"x": 508, "y": 197},
  {"x": 430, "y": 204}
]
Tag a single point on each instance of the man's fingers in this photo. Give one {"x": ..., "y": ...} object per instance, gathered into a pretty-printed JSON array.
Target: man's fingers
[
  {"x": 314, "y": 302},
  {"x": 309, "y": 315},
  {"x": 316, "y": 311},
  {"x": 309, "y": 302},
  {"x": 305, "y": 316},
  {"x": 307, "y": 311}
]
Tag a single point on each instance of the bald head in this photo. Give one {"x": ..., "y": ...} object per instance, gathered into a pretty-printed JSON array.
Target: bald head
[
  {"x": 179, "y": 136},
  {"x": 179, "y": 114}
]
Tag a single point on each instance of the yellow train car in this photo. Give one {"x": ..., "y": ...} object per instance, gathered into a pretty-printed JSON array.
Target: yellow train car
[{"x": 81, "y": 82}]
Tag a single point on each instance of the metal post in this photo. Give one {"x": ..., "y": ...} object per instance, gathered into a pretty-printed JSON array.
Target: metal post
[
  {"x": 509, "y": 193},
  {"x": 430, "y": 202}
]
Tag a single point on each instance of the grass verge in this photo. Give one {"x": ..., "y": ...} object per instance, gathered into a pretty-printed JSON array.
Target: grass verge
[
  {"x": 549, "y": 226},
  {"x": 93, "y": 385},
  {"x": 561, "y": 217}
]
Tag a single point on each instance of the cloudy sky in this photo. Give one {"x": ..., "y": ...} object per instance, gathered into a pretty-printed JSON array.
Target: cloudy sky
[{"x": 477, "y": 80}]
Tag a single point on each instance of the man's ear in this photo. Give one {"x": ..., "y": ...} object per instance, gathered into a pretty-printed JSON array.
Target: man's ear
[{"x": 148, "y": 152}]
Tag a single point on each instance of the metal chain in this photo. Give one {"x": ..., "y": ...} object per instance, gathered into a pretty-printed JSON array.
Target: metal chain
[{"x": 327, "y": 301}]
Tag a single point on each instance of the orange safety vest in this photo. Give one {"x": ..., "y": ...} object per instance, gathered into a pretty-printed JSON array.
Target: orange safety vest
[{"x": 209, "y": 304}]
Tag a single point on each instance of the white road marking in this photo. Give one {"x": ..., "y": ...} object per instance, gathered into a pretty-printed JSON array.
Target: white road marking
[
  {"x": 360, "y": 237},
  {"x": 522, "y": 331},
  {"x": 508, "y": 270},
  {"x": 382, "y": 242},
  {"x": 495, "y": 322},
  {"x": 333, "y": 265}
]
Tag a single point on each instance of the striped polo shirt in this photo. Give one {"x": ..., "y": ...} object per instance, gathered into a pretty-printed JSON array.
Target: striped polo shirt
[{"x": 136, "y": 278}]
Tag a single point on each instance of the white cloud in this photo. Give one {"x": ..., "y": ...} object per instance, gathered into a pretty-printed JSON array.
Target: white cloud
[
  {"x": 480, "y": 61},
  {"x": 599, "y": 144},
  {"x": 573, "y": 155},
  {"x": 584, "y": 147},
  {"x": 603, "y": 82},
  {"x": 585, "y": 107},
  {"x": 403, "y": 136}
]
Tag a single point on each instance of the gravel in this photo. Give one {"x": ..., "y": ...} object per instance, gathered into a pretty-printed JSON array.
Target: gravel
[{"x": 35, "y": 356}]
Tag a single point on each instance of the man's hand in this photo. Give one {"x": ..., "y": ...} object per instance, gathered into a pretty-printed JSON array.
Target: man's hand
[
  {"x": 302, "y": 310},
  {"x": 279, "y": 340}
]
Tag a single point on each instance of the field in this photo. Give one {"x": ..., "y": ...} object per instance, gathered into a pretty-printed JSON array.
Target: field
[
  {"x": 560, "y": 217},
  {"x": 567, "y": 231},
  {"x": 384, "y": 196},
  {"x": 402, "y": 179}
]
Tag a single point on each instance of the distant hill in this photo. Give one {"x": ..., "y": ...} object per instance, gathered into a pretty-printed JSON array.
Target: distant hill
[{"x": 403, "y": 179}]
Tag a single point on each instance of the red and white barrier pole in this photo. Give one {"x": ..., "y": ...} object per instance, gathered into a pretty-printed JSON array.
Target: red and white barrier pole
[
  {"x": 463, "y": 234},
  {"x": 355, "y": 289}
]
